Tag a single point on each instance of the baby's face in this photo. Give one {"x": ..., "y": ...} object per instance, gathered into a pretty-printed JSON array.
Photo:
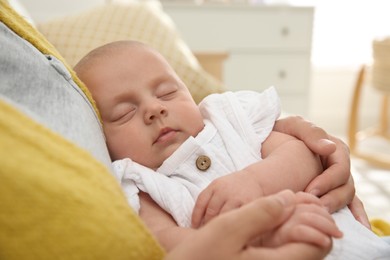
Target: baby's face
[{"x": 147, "y": 111}]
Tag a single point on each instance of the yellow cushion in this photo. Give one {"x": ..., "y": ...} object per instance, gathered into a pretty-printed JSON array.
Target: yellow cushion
[
  {"x": 380, "y": 227},
  {"x": 58, "y": 202},
  {"x": 75, "y": 35}
]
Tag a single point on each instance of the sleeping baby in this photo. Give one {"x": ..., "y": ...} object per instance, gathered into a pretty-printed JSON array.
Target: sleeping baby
[{"x": 198, "y": 161}]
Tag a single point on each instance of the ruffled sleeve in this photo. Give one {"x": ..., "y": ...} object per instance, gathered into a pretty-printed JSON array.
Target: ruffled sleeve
[
  {"x": 134, "y": 178},
  {"x": 125, "y": 175},
  {"x": 244, "y": 119},
  {"x": 262, "y": 109}
]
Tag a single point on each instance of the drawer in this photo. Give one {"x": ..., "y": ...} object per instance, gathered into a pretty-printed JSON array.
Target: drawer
[
  {"x": 243, "y": 27},
  {"x": 289, "y": 73}
]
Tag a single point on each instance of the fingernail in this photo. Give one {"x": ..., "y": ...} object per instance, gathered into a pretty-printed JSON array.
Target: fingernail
[
  {"x": 325, "y": 142},
  {"x": 364, "y": 223},
  {"x": 327, "y": 208}
]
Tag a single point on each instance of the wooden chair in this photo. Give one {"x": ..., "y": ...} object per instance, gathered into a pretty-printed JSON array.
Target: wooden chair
[{"x": 355, "y": 135}]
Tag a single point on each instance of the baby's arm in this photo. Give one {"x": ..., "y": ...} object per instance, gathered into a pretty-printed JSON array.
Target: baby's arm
[
  {"x": 287, "y": 164},
  {"x": 161, "y": 224}
]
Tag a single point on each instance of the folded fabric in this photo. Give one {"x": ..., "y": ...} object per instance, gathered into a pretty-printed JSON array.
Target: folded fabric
[{"x": 358, "y": 242}]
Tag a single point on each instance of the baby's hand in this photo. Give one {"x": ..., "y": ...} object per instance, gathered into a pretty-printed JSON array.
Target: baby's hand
[
  {"x": 224, "y": 194},
  {"x": 309, "y": 223}
]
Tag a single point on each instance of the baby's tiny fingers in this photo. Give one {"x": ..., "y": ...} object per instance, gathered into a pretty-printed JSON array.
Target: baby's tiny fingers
[
  {"x": 214, "y": 207},
  {"x": 304, "y": 197},
  {"x": 200, "y": 208},
  {"x": 307, "y": 234},
  {"x": 324, "y": 223},
  {"x": 228, "y": 206}
]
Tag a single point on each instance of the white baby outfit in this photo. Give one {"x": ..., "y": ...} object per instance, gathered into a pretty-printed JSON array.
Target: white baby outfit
[{"x": 236, "y": 124}]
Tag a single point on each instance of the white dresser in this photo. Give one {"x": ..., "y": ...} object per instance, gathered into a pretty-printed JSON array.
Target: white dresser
[{"x": 267, "y": 45}]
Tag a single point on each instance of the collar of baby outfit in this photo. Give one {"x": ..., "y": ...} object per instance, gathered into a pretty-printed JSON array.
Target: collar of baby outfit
[{"x": 189, "y": 147}]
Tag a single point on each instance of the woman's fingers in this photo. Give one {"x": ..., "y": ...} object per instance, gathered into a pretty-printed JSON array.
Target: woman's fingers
[
  {"x": 262, "y": 215},
  {"x": 357, "y": 209}
]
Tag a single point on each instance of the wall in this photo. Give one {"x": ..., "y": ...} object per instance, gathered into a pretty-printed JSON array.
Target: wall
[
  {"x": 342, "y": 37},
  {"x": 331, "y": 95},
  {"x": 43, "y": 10}
]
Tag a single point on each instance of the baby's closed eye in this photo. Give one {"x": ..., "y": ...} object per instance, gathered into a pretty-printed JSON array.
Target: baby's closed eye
[
  {"x": 166, "y": 91},
  {"x": 123, "y": 114}
]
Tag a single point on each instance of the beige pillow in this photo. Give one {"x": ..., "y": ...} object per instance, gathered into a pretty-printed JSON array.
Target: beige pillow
[{"x": 75, "y": 35}]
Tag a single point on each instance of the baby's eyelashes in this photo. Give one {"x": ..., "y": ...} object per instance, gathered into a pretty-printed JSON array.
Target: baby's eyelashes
[
  {"x": 124, "y": 116},
  {"x": 166, "y": 90},
  {"x": 167, "y": 96}
]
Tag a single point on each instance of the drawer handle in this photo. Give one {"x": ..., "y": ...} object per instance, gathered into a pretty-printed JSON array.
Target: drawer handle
[
  {"x": 285, "y": 31},
  {"x": 282, "y": 74}
]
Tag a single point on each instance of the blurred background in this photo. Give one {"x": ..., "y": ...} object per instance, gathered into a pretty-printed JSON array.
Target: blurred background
[{"x": 311, "y": 51}]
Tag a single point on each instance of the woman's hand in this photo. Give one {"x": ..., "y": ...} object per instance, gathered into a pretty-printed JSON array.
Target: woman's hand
[
  {"x": 335, "y": 186},
  {"x": 230, "y": 235}
]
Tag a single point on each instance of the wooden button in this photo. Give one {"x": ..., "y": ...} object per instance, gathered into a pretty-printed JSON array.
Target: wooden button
[{"x": 203, "y": 162}]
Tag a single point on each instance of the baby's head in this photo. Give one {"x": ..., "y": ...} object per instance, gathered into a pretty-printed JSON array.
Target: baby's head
[{"x": 147, "y": 110}]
